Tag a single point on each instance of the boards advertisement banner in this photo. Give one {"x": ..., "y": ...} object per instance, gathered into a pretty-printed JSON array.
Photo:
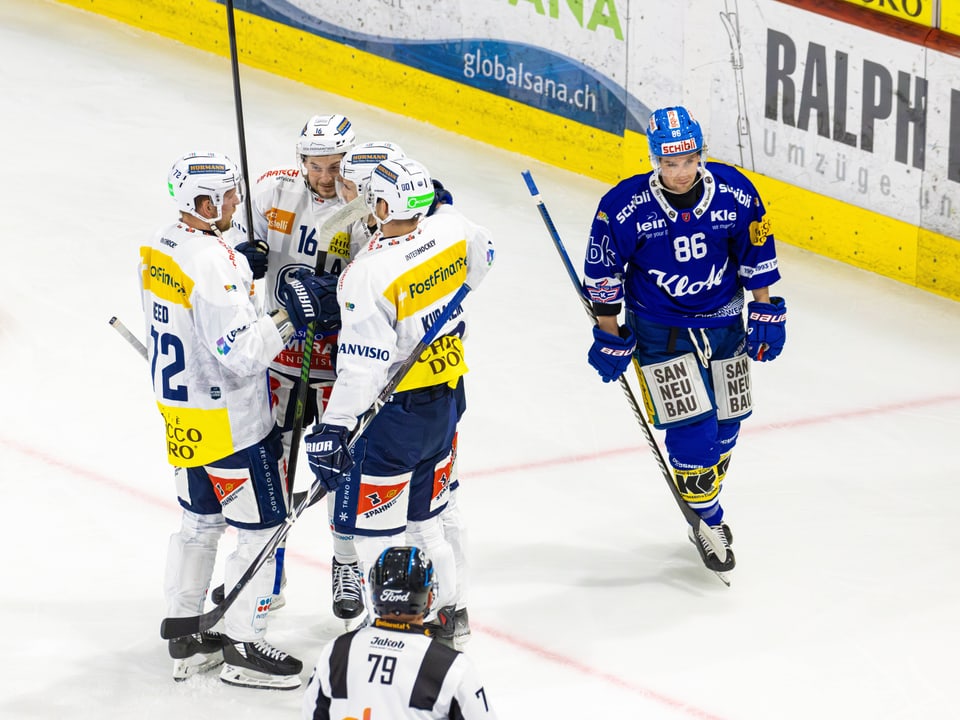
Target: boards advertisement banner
[{"x": 845, "y": 116}]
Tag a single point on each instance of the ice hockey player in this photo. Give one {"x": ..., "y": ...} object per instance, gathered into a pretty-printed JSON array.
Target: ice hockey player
[
  {"x": 679, "y": 245},
  {"x": 392, "y": 668},
  {"x": 209, "y": 344},
  {"x": 389, "y": 296},
  {"x": 290, "y": 207},
  {"x": 356, "y": 167}
]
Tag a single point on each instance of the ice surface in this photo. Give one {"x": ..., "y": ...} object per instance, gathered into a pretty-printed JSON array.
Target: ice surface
[{"x": 586, "y": 598}]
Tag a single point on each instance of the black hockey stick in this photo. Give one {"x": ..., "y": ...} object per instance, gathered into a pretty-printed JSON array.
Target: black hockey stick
[
  {"x": 174, "y": 627},
  {"x": 694, "y": 520},
  {"x": 238, "y": 107}
]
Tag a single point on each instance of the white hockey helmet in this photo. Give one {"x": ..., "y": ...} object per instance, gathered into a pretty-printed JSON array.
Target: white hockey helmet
[
  {"x": 359, "y": 163},
  {"x": 325, "y": 135},
  {"x": 406, "y": 187},
  {"x": 210, "y": 175}
]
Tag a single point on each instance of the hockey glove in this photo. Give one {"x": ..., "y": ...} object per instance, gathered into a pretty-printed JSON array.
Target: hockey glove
[
  {"x": 308, "y": 297},
  {"x": 441, "y": 196},
  {"x": 328, "y": 454},
  {"x": 256, "y": 255},
  {"x": 766, "y": 328},
  {"x": 610, "y": 355}
]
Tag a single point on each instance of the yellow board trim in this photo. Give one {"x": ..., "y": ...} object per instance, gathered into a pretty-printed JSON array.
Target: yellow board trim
[{"x": 799, "y": 217}]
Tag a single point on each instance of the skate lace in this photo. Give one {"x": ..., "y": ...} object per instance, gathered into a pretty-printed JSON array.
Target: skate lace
[
  {"x": 268, "y": 650},
  {"x": 346, "y": 584}
]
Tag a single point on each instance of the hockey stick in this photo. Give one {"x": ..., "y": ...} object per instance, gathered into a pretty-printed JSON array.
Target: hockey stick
[
  {"x": 694, "y": 520},
  {"x": 174, "y": 627},
  {"x": 344, "y": 216},
  {"x": 238, "y": 107},
  {"x": 128, "y": 336}
]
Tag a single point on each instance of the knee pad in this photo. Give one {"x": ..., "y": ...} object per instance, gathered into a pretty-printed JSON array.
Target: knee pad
[
  {"x": 203, "y": 529},
  {"x": 694, "y": 445},
  {"x": 428, "y": 536},
  {"x": 191, "y": 556}
]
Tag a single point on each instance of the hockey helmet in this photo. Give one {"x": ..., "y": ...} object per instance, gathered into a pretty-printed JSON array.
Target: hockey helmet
[
  {"x": 406, "y": 187},
  {"x": 325, "y": 135},
  {"x": 197, "y": 175},
  {"x": 401, "y": 582},
  {"x": 359, "y": 163},
  {"x": 673, "y": 131}
]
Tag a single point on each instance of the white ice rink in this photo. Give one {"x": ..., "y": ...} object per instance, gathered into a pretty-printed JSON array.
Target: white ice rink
[{"x": 587, "y": 601}]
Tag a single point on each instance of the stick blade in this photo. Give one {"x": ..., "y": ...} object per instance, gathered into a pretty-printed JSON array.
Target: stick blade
[{"x": 174, "y": 627}]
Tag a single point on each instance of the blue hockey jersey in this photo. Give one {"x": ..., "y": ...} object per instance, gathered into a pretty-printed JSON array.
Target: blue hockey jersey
[{"x": 680, "y": 267}]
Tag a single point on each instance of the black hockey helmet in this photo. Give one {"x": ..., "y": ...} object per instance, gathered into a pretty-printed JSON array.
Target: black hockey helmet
[{"x": 401, "y": 582}]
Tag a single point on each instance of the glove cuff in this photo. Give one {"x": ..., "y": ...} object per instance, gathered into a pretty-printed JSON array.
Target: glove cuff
[{"x": 282, "y": 322}]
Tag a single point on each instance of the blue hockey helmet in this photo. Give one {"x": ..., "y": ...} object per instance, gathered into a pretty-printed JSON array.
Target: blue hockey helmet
[
  {"x": 401, "y": 582},
  {"x": 673, "y": 131}
]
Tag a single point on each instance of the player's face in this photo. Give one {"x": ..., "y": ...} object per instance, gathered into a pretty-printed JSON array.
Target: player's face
[
  {"x": 679, "y": 173},
  {"x": 322, "y": 174}
]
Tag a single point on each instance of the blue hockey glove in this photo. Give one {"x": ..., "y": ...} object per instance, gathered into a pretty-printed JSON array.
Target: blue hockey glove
[
  {"x": 441, "y": 196},
  {"x": 610, "y": 355},
  {"x": 766, "y": 328},
  {"x": 308, "y": 297},
  {"x": 328, "y": 454},
  {"x": 256, "y": 255}
]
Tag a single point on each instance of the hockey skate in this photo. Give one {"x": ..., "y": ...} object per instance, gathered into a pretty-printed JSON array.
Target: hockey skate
[
  {"x": 194, "y": 654},
  {"x": 444, "y": 627},
  {"x": 258, "y": 664},
  {"x": 710, "y": 559},
  {"x": 347, "y": 593}
]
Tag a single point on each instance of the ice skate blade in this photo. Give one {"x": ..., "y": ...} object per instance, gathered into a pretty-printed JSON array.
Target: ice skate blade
[
  {"x": 243, "y": 677},
  {"x": 724, "y": 577},
  {"x": 195, "y": 664},
  {"x": 360, "y": 621}
]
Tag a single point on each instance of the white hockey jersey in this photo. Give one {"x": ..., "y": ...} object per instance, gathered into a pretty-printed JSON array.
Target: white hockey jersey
[
  {"x": 208, "y": 345},
  {"x": 288, "y": 216},
  {"x": 389, "y": 297},
  {"x": 396, "y": 671}
]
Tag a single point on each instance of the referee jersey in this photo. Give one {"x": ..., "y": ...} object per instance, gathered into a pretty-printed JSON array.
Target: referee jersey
[{"x": 389, "y": 671}]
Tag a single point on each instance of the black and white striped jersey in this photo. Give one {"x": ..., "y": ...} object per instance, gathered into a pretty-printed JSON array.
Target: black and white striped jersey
[{"x": 389, "y": 671}]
